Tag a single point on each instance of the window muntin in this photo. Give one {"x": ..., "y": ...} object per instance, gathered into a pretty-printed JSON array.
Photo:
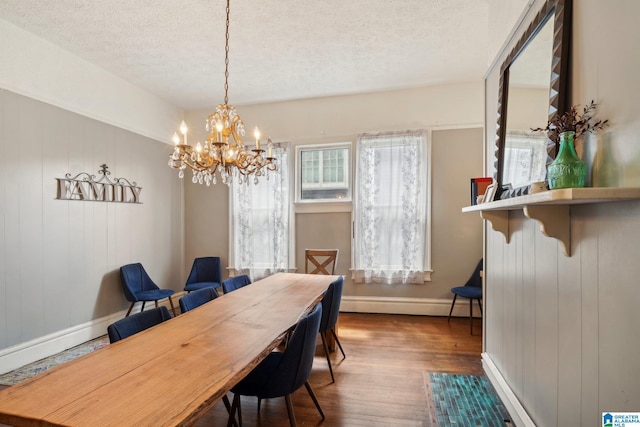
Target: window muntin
[{"x": 323, "y": 173}]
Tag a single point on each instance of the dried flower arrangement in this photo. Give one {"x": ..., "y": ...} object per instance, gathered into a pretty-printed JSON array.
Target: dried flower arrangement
[{"x": 572, "y": 120}]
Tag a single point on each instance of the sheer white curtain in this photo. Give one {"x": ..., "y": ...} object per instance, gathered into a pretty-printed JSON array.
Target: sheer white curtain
[
  {"x": 390, "y": 208},
  {"x": 260, "y": 221}
]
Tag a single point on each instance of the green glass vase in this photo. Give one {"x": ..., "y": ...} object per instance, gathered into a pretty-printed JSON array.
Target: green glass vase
[{"x": 567, "y": 170}]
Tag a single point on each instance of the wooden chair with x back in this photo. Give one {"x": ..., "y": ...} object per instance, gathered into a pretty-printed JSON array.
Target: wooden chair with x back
[{"x": 320, "y": 261}]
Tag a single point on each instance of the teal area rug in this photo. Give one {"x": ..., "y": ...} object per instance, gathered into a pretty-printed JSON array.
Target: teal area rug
[
  {"x": 466, "y": 400},
  {"x": 33, "y": 369}
]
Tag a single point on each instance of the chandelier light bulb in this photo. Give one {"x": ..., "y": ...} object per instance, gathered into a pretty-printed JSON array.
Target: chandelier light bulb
[
  {"x": 176, "y": 138},
  {"x": 199, "y": 147},
  {"x": 183, "y": 128},
  {"x": 219, "y": 131},
  {"x": 256, "y": 133}
]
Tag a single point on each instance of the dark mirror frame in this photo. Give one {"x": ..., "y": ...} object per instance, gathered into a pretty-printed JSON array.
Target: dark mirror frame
[{"x": 558, "y": 94}]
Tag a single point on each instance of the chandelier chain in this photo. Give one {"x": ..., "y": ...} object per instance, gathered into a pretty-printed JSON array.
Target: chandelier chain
[{"x": 226, "y": 59}]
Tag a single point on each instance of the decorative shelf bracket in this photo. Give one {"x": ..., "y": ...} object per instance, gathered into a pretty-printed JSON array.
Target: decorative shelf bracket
[
  {"x": 499, "y": 222},
  {"x": 552, "y": 209},
  {"x": 555, "y": 222}
]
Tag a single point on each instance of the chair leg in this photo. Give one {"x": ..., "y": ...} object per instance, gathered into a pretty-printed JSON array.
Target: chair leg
[
  {"x": 173, "y": 309},
  {"x": 232, "y": 413},
  {"x": 313, "y": 397},
  {"x": 471, "y": 316},
  {"x": 292, "y": 416},
  {"x": 143, "y": 303},
  {"x": 335, "y": 336},
  {"x": 480, "y": 305},
  {"x": 130, "y": 308},
  {"x": 227, "y": 405},
  {"x": 326, "y": 353},
  {"x": 156, "y": 302},
  {"x": 452, "y": 304}
]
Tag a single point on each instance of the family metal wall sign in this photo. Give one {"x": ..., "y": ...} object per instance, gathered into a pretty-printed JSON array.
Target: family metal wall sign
[{"x": 85, "y": 187}]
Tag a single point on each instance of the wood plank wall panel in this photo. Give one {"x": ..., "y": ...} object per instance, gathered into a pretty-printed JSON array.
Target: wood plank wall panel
[
  {"x": 97, "y": 215},
  {"x": 569, "y": 333},
  {"x": 493, "y": 301},
  {"x": 587, "y": 226},
  {"x": 76, "y": 226},
  {"x": 10, "y": 168},
  {"x": 30, "y": 222},
  {"x": 509, "y": 306},
  {"x": 527, "y": 288},
  {"x": 55, "y": 219},
  {"x": 3, "y": 215},
  {"x": 547, "y": 253},
  {"x": 59, "y": 260}
]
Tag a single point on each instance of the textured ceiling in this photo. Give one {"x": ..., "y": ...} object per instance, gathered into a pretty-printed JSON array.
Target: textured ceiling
[{"x": 279, "y": 49}]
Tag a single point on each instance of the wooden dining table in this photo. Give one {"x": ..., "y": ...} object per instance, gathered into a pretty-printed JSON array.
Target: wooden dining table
[{"x": 172, "y": 373}]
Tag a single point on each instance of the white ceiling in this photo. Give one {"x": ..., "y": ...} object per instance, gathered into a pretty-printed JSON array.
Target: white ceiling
[{"x": 279, "y": 49}]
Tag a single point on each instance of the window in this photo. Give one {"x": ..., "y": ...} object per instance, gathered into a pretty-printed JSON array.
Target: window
[
  {"x": 323, "y": 173},
  {"x": 262, "y": 222},
  {"x": 391, "y": 208}
]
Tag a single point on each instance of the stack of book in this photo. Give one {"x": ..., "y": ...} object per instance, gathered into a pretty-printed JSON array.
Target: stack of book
[{"x": 478, "y": 188}]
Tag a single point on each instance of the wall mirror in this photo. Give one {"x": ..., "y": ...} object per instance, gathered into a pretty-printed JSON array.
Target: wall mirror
[{"x": 533, "y": 88}]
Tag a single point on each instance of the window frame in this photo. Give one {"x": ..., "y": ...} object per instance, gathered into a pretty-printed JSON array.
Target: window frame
[{"x": 347, "y": 173}]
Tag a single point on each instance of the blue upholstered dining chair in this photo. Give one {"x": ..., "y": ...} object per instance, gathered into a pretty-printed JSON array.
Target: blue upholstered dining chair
[
  {"x": 330, "y": 311},
  {"x": 282, "y": 373},
  {"x": 471, "y": 290},
  {"x": 137, "y": 322},
  {"x": 236, "y": 282},
  {"x": 138, "y": 286},
  {"x": 197, "y": 298},
  {"x": 206, "y": 272}
]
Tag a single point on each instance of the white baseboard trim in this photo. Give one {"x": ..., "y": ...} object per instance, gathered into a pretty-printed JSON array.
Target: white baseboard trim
[
  {"x": 399, "y": 305},
  {"x": 27, "y": 352},
  {"x": 517, "y": 412},
  {"x": 21, "y": 354}
]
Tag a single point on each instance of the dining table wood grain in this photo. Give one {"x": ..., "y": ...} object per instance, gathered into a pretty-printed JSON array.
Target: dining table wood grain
[{"x": 170, "y": 374}]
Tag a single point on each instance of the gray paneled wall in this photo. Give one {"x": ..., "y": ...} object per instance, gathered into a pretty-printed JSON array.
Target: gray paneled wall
[
  {"x": 59, "y": 259},
  {"x": 564, "y": 331}
]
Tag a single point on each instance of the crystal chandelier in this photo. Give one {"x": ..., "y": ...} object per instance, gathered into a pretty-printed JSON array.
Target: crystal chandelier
[{"x": 223, "y": 151}]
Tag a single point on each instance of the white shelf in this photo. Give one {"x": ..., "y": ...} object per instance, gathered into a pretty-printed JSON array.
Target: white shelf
[{"x": 550, "y": 208}]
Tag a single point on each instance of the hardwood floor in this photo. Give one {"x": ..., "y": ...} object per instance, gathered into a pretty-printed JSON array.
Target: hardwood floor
[{"x": 384, "y": 379}]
